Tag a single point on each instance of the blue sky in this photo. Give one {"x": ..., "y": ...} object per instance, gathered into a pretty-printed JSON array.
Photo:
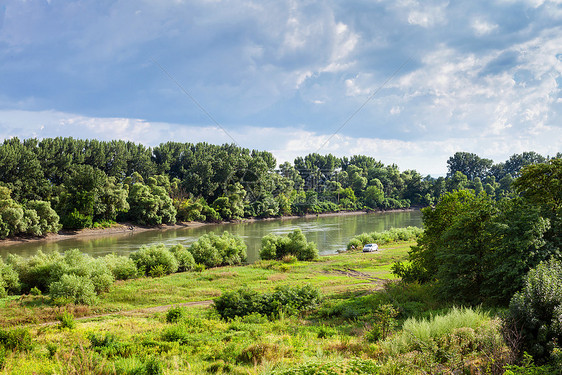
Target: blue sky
[{"x": 284, "y": 76}]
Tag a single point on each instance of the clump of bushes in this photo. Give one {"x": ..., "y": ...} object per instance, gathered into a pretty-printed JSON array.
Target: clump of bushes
[
  {"x": 185, "y": 259},
  {"x": 213, "y": 251},
  {"x": 9, "y": 279},
  {"x": 73, "y": 289},
  {"x": 41, "y": 270},
  {"x": 155, "y": 260},
  {"x": 295, "y": 243},
  {"x": 382, "y": 238},
  {"x": 284, "y": 300}
]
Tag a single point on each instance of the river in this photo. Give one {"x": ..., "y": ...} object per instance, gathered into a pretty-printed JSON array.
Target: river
[{"x": 330, "y": 233}]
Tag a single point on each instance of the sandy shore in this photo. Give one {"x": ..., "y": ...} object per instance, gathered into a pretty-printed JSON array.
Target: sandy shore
[{"x": 128, "y": 228}]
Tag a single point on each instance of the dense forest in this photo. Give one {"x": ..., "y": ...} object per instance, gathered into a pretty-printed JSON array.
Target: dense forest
[{"x": 64, "y": 182}]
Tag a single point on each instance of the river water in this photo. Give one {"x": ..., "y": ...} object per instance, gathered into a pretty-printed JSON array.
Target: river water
[{"x": 330, "y": 233}]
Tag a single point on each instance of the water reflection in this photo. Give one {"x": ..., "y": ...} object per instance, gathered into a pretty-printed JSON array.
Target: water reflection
[{"x": 331, "y": 233}]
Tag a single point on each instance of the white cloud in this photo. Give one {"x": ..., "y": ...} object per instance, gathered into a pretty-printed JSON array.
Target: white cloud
[{"x": 482, "y": 27}]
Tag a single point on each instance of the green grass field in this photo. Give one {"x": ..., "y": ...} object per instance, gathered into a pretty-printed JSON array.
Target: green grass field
[{"x": 127, "y": 332}]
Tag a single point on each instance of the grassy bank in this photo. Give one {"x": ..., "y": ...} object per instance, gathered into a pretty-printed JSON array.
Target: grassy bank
[{"x": 349, "y": 332}]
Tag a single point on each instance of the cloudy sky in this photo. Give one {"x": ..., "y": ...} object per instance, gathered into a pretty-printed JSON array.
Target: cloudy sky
[{"x": 405, "y": 81}]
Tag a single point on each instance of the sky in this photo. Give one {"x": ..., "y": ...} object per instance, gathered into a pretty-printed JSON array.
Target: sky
[{"x": 407, "y": 82}]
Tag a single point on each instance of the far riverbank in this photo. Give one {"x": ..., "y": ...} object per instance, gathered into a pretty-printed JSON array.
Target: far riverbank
[{"x": 128, "y": 228}]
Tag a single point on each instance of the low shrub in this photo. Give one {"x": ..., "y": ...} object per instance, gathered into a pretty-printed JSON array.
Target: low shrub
[
  {"x": 43, "y": 269},
  {"x": 175, "y": 314},
  {"x": 294, "y": 244},
  {"x": 74, "y": 289},
  {"x": 284, "y": 300},
  {"x": 354, "y": 366},
  {"x": 66, "y": 320},
  {"x": 213, "y": 251},
  {"x": 122, "y": 267},
  {"x": 184, "y": 258},
  {"x": 155, "y": 259},
  {"x": 15, "y": 339},
  {"x": 9, "y": 280}
]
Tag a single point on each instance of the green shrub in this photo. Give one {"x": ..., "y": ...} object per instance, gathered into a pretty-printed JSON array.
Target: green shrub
[
  {"x": 213, "y": 251},
  {"x": 76, "y": 289},
  {"x": 284, "y": 300},
  {"x": 354, "y": 366},
  {"x": 16, "y": 339},
  {"x": 295, "y": 244},
  {"x": 122, "y": 267},
  {"x": 175, "y": 314},
  {"x": 155, "y": 259},
  {"x": 184, "y": 258},
  {"x": 9, "y": 279},
  {"x": 66, "y": 320},
  {"x": 537, "y": 310},
  {"x": 44, "y": 269}
]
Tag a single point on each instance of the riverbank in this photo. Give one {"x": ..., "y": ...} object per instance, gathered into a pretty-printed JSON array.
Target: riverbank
[{"x": 128, "y": 228}]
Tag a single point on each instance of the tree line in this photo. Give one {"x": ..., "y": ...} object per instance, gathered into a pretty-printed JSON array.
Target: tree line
[{"x": 72, "y": 183}]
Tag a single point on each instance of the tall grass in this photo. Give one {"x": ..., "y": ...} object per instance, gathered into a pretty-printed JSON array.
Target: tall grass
[{"x": 418, "y": 334}]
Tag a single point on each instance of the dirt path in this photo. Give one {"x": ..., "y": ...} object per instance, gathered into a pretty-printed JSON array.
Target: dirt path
[{"x": 131, "y": 313}]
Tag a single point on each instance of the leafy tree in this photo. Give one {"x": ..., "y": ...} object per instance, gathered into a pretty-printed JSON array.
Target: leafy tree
[{"x": 469, "y": 164}]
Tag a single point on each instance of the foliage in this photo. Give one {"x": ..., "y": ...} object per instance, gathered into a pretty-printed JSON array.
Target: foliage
[
  {"x": 122, "y": 267},
  {"x": 44, "y": 269},
  {"x": 284, "y": 300},
  {"x": 66, "y": 320},
  {"x": 537, "y": 309},
  {"x": 354, "y": 366},
  {"x": 175, "y": 314},
  {"x": 295, "y": 243},
  {"x": 73, "y": 289},
  {"x": 9, "y": 279},
  {"x": 155, "y": 259},
  {"x": 186, "y": 262},
  {"x": 213, "y": 251},
  {"x": 477, "y": 249},
  {"x": 16, "y": 339}
]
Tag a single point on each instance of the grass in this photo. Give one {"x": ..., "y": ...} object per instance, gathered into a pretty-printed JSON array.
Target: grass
[{"x": 195, "y": 340}]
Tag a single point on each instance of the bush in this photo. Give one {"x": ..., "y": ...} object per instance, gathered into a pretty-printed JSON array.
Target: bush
[
  {"x": 213, "y": 251},
  {"x": 175, "y": 314},
  {"x": 16, "y": 339},
  {"x": 155, "y": 259},
  {"x": 184, "y": 258},
  {"x": 284, "y": 300},
  {"x": 122, "y": 267},
  {"x": 41, "y": 270},
  {"x": 295, "y": 243},
  {"x": 74, "y": 289},
  {"x": 537, "y": 310},
  {"x": 66, "y": 320},
  {"x": 9, "y": 279}
]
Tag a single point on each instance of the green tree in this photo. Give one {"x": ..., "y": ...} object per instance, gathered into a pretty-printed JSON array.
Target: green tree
[{"x": 469, "y": 164}]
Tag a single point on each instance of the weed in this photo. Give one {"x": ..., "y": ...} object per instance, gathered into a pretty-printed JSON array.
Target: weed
[
  {"x": 175, "y": 314},
  {"x": 66, "y": 320}
]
